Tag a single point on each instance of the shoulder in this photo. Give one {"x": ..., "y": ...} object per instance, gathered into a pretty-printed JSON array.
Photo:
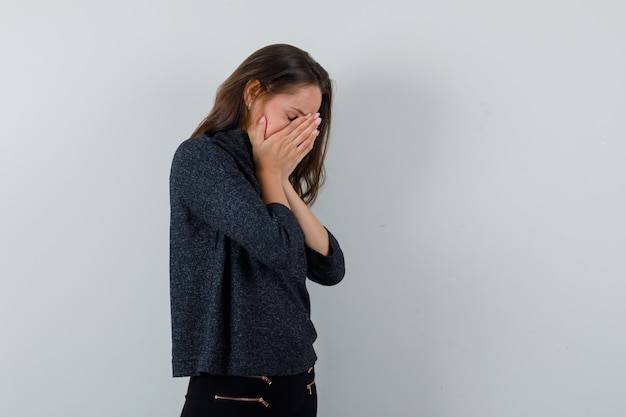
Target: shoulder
[
  {"x": 216, "y": 145},
  {"x": 200, "y": 143},
  {"x": 201, "y": 148},
  {"x": 214, "y": 155}
]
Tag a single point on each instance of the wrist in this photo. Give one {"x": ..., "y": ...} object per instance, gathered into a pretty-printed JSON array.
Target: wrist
[
  {"x": 269, "y": 175},
  {"x": 288, "y": 187}
]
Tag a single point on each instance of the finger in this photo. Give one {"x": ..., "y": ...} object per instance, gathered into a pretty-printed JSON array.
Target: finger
[
  {"x": 299, "y": 152},
  {"x": 305, "y": 131},
  {"x": 305, "y": 147},
  {"x": 259, "y": 132},
  {"x": 298, "y": 125},
  {"x": 307, "y": 144}
]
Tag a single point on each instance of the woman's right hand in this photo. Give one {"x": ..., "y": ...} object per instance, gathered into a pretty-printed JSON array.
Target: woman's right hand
[{"x": 280, "y": 153}]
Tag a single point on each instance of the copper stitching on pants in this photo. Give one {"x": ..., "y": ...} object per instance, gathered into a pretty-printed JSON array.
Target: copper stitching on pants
[{"x": 243, "y": 399}]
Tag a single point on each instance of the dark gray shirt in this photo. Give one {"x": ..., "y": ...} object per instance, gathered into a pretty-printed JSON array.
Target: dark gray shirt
[{"x": 238, "y": 267}]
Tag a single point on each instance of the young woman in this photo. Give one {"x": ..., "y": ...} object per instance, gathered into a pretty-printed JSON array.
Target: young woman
[{"x": 243, "y": 240}]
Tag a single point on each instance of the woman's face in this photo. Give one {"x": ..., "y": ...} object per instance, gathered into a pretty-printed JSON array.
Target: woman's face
[{"x": 281, "y": 109}]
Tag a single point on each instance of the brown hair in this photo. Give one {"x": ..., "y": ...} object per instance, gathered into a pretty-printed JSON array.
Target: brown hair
[{"x": 279, "y": 68}]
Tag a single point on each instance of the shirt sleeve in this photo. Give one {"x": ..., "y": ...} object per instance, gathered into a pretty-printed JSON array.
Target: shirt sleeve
[
  {"x": 209, "y": 184},
  {"x": 326, "y": 270}
]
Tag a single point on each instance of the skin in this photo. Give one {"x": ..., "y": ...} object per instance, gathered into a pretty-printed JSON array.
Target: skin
[{"x": 282, "y": 129}]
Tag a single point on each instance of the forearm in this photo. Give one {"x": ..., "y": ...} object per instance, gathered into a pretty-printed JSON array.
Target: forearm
[
  {"x": 315, "y": 234},
  {"x": 272, "y": 190}
]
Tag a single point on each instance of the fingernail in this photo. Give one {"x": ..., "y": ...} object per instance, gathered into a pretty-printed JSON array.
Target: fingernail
[
  {"x": 318, "y": 121},
  {"x": 262, "y": 119}
]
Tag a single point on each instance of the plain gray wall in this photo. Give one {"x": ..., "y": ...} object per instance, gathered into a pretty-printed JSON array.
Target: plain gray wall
[{"x": 477, "y": 183}]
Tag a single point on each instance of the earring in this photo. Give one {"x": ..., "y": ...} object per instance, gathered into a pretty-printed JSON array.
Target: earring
[{"x": 249, "y": 106}]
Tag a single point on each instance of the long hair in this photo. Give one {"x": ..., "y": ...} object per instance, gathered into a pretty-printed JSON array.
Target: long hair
[{"x": 280, "y": 69}]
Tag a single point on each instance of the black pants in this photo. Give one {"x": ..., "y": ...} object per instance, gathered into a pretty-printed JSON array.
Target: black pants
[{"x": 274, "y": 396}]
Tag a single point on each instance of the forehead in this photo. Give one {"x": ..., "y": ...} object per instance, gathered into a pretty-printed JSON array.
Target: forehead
[{"x": 307, "y": 98}]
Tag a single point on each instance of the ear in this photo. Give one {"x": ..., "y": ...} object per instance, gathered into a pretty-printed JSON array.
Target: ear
[{"x": 251, "y": 91}]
